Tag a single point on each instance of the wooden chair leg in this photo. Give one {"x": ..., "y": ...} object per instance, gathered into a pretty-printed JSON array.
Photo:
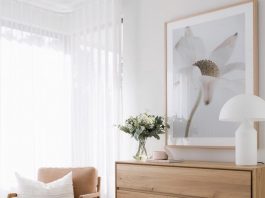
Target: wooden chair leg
[
  {"x": 11, "y": 195},
  {"x": 98, "y": 185}
]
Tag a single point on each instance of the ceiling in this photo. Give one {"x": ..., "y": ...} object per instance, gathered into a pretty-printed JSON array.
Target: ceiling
[{"x": 62, "y": 6}]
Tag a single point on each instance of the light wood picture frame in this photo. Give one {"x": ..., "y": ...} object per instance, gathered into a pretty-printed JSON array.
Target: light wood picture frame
[{"x": 210, "y": 57}]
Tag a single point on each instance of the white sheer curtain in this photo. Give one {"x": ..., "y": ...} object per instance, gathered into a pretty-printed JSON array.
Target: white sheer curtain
[
  {"x": 97, "y": 88},
  {"x": 35, "y": 99},
  {"x": 60, "y": 89},
  {"x": 35, "y": 102}
]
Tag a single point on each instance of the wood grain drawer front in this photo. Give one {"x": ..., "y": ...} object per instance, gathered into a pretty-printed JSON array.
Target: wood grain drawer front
[
  {"x": 193, "y": 182},
  {"x": 130, "y": 194}
]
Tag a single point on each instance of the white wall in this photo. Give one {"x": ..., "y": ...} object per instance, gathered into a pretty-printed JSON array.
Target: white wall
[{"x": 144, "y": 59}]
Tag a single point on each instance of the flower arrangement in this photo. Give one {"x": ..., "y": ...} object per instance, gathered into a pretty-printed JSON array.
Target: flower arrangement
[{"x": 142, "y": 127}]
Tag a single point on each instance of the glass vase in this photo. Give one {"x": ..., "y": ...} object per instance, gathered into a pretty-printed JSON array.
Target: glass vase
[{"x": 141, "y": 152}]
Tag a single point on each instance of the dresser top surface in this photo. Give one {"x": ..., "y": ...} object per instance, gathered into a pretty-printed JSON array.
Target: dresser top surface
[{"x": 195, "y": 164}]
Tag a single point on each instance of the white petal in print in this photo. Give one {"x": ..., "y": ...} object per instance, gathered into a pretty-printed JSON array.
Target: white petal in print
[
  {"x": 191, "y": 72},
  {"x": 190, "y": 48},
  {"x": 208, "y": 84},
  {"x": 232, "y": 67},
  {"x": 224, "y": 51},
  {"x": 233, "y": 85},
  {"x": 186, "y": 71}
]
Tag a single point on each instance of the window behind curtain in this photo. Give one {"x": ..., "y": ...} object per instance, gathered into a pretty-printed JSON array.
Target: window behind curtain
[
  {"x": 44, "y": 96},
  {"x": 35, "y": 102}
]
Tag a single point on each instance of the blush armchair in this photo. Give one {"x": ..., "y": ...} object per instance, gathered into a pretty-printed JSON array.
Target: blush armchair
[{"x": 86, "y": 183}]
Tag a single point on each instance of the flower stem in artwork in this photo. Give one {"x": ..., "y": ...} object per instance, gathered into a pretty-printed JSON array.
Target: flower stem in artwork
[{"x": 193, "y": 111}]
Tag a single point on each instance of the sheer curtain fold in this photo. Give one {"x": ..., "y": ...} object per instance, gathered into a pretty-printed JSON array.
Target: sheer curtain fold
[
  {"x": 34, "y": 102},
  {"x": 97, "y": 100},
  {"x": 60, "y": 89}
]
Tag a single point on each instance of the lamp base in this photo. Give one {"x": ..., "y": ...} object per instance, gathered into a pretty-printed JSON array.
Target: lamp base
[{"x": 246, "y": 144}]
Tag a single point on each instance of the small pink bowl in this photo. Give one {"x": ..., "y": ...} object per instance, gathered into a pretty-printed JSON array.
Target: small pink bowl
[{"x": 159, "y": 155}]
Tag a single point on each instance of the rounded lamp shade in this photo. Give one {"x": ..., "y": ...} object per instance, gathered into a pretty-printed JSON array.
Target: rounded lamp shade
[{"x": 244, "y": 107}]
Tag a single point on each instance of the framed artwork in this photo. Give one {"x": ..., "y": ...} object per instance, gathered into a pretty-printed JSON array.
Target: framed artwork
[{"x": 210, "y": 58}]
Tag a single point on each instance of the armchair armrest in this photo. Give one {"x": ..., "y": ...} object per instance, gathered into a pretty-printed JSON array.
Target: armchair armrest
[
  {"x": 11, "y": 195},
  {"x": 91, "y": 195}
]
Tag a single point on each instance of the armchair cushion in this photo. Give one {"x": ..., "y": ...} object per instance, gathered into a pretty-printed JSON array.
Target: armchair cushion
[
  {"x": 84, "y": 179},
  {"x": 61, "y": 188}
]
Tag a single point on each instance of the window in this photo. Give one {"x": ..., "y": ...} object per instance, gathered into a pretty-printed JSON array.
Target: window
[{"x": 35, "y": 103}]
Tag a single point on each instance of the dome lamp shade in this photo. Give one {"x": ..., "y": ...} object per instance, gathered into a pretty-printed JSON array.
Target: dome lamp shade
[{"x": 244, "y": 107}]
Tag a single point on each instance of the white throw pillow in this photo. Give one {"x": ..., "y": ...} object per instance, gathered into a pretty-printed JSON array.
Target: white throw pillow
[{"x": 61, "y": 188}]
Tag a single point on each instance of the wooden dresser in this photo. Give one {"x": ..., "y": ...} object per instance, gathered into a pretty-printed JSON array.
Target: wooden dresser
[{"x": 189, "y": 180}]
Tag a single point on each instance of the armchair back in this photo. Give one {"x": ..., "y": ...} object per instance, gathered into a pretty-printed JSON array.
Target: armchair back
[{"x": 85, "y": 180}]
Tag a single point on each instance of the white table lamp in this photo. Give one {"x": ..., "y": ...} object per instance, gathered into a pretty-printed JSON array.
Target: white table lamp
[{"x": 245, "y": 108}]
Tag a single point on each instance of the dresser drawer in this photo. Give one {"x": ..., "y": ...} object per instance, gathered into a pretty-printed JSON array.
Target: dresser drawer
[
  {"x": 180, "y": 181},
  {"x": 130, "y": 194}
]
